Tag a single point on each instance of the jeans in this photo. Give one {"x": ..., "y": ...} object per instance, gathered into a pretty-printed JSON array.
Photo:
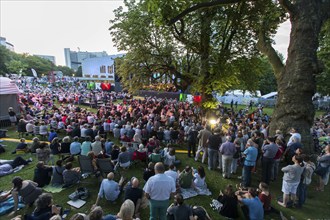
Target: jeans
[
  {"x": 233, "y": 168},
  {"x": 158, "y": 209},
  {"x": 301, "y": 193},
  {"x": 212, "y": 160},
  {"x": 275, "y": 169},
  {"x": 247, "y": 175},
  {"x": 226, "y": 163},
  {"x": 267, "y": 164},
  {"x": 220, "y": 160}
]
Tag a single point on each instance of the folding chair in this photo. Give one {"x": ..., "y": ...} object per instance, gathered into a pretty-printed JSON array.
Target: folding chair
[
  {"x": 105, "y": 166},
  {"x": 85, "y": 164}
]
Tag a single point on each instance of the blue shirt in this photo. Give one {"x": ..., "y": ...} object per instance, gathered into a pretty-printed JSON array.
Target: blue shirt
[
  {"x": 51, "y": 136},
  {"x": 109, "y": 189},
  {"x": 75, "y": 148},
  {"x": 256, "y": 210},
  {"x": 86, "y": 147},
  {"x": 251, "y": 154},
  {"x": 108, "y": 147}
]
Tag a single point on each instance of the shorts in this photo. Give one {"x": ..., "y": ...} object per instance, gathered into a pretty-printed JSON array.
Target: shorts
[{"x": 288, "y": 188}]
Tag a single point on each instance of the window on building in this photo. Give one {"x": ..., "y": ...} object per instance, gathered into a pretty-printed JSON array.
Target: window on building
[
  {"x": 110, "y": 69},
  {"x": 102, "y": 69}
]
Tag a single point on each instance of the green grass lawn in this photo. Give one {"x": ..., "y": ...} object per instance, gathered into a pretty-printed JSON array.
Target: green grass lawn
[{"x": 317, "y": 205}]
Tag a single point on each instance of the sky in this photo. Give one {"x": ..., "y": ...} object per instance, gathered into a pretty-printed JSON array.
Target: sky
[{"x": 46, "y": 27}]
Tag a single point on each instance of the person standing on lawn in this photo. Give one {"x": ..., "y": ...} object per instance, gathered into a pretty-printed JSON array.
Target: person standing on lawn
[{"x": 159, "y": 189}]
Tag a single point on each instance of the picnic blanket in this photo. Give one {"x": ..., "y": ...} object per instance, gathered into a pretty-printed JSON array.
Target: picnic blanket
[
  {"x": 190, "y": 192},
  {"x": 53, "y": 189},
  {"x": 8, "y": 205}
]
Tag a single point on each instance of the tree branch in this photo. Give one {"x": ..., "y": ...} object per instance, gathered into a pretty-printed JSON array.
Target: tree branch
[
  {"x": 199, "y": 6},
  {"x": 267, "y": 49},
  {"x": 287, "y": 5}
]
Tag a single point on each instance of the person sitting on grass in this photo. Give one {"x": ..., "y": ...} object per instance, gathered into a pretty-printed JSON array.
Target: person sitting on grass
[
  {"x": 22, "y": 147},
  {"x": 265, "y": 197},
  {"x": 42, "y": 174},
  {"x": 134, "y": 193},
  {"x": 124, "y": 159},
  {"x": 109, "y": 188},
  {"x": 229, "y": 203},
  {"x": 170, "y": 158},
  {"x": 71, "y": 176},
  {"x": 55, "y": 146},
  {"x": 45, "y": 208},
  {"x": 186, "y": 178},
  {"x": 149, "y": 171},
  {"x": 43, "y": 152},
  {"x": 199, "y": 177},
  {"x": 252, "y": 206},
  {"x": 179, "y": 210},
  {"x": 57, "y": 178},
  {"x": 35, "y": 145},
  {"x": 155, "y": 157},
  {"x": 27, "y": 190}
]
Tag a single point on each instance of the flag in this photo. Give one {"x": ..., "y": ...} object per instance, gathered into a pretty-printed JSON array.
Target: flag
[{"x": 34, "y": 73}]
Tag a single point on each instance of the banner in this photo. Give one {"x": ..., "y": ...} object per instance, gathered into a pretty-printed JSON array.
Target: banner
[{"x": 34, "y": 73}]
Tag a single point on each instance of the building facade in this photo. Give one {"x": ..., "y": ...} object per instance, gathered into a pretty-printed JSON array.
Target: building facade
[
  {"x": 74, "y": 59},
  {"x": 6, "y": 44},
  {"x": 100, "y": 68}
]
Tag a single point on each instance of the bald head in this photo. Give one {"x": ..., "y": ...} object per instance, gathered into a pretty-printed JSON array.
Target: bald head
[
  {"x": 135, "y": 183},
  {"x": 159, "y": 167},
  {"x": 110, "y": 176}
]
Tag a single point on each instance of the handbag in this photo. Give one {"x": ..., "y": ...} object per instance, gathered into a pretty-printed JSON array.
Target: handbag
[{"x": 321, "y": 171}]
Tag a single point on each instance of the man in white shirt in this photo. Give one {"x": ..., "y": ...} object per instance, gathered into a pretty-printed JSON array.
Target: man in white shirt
[
  {"x": 172, "y": 173},
  {"x": 159, "y": 189}
]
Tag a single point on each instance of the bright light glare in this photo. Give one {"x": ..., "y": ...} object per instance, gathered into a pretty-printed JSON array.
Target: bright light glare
[{"x": 213, "y": 121}]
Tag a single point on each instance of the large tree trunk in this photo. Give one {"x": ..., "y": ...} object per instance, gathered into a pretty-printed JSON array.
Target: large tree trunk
[{"x": 296, "y": 82}]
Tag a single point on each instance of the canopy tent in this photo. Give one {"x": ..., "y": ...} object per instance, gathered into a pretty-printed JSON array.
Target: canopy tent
[{"x": 8, "y": 97}]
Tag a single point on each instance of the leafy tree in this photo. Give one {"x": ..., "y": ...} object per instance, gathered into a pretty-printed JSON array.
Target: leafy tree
[
  {"x": 4, "y": 58},
  {"x": 65, "y": 70},
  {"x": 152, "y": 53},
  {"x": 16, "y": 66},
  {"x": 42, "y": 66},
  {"x": 322, "y": 79},
  {"x": 79, "y": 72},
  {"x": 295, "y": 79}
]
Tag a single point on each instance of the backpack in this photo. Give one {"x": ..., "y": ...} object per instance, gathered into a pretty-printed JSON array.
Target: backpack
[
  {"x": 80, "y": 193},
  {"x": 308, "y": 173}
]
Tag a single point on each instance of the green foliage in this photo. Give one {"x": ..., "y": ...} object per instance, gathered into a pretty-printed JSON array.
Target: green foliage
[
  {"x": 4, "y": 58},
  {"x": 16, "y": 66},
  {"x": 152, "y": 53},
  {"x": 65, "y": 70},
  {"x": 322, "y": 79},
  {"x": 267, "y": 82},
  {"x": 79, "y": 72}
]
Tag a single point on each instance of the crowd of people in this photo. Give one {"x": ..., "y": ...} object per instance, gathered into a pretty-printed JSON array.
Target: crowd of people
[{"x": 150, "y": 130}]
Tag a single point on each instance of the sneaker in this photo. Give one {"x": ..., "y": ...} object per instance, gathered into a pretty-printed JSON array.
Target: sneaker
[{"x": 239, "y": 177}]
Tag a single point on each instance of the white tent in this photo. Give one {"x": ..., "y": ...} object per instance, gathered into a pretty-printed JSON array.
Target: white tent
[{"x": 8, "y": 97}]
